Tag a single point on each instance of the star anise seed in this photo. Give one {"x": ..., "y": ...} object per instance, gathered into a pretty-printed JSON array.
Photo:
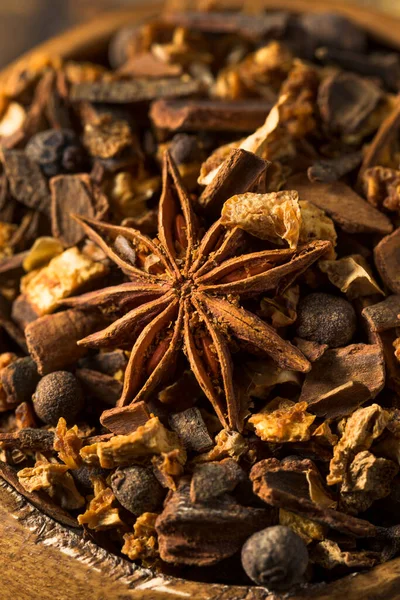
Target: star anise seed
[{"x": 184, "y": 293}]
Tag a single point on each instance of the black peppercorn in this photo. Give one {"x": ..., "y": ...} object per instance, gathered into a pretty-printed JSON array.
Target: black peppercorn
[
  {"x": 326, "y": 319},
  {"x": 275, "y": 557},
  {"x": 137, "y": 489},
  {"x": 56, "y": 151},
  {"x": 58, "y": 394}
]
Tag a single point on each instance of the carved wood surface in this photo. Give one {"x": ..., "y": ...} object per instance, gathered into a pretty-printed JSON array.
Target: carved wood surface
[{"x": 43, "y": 560}]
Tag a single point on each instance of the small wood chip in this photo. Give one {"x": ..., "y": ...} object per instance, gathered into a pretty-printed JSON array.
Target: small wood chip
[
  {"x": 190, "y": 427},
  {"x": 125, "y": 419},
  {"x": 387, "y": 260},
  {"x": 341, "y": 203}
]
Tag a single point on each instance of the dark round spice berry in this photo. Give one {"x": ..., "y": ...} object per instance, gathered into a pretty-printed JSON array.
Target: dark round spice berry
[
  {"x": 58, "y": 394},
  {"x": 184, "y": 148},
  {"x": 82, "y": 477},
  {"x": 326, "y": 319},
  {"x": 275, "y": 557},
  {"x": 137, "y": 489},
  {"x": 56, "y": 151}
]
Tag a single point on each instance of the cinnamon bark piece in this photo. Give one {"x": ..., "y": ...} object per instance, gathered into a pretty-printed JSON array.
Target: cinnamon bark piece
[
  {"x": 253, "y": 27},
  {"x": 102, "y": 387},
  {"x": 387, "y": 260},
  {"x": 383, "y": 315},
  {"x": 343, "y": 379},
  {"x": 209, "y": 115},
  {"x": 137, "y": 90},
  {"x": 52, "y": 339},
  {"x": 201, "y": 535},
  {"x": 340, "y": 202},
  {"x": 125, "y": 419},
  {"x": 237, "y": 175}
]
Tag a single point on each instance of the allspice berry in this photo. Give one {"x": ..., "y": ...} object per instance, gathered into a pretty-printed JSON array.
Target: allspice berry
[
  {"x": 137, "y": 489},
  {"x": 275, "y": 557},
  {"x": 326, "y": 319},
  {"x": 58, "y": 394}
]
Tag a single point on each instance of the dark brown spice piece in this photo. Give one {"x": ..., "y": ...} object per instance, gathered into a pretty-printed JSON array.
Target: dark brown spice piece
[
  {"x": 125, "y": 419},
  {"x": 342, "y": 204},
  {"x": 35, "y": 440},
  {"x": 19, "y": 380},
  {"x": 358, "y": 363},
  {"x": 238, "y": 174},
  {"x": 201, "y": 535},
  {"x": 190, "y": 427},
  {"x": 383, "y": 315},
  {"x": 275, "y": 558},
  {"x": 209, "y": 115},
  {"x": 139, "y": 90},
  {"x": 52, "y": 339},
  {"x": 100, "y": 386},
  {"x": 137, "y": 489},
  {"x": 387, "y": 260},
  {"x": 326, "y": 319},
  {"x": 329, "y": 170},
  {"x": 58, "y": 395},
  {"x": 214, "y": 479},
  {"x": 27, "y": 184}
]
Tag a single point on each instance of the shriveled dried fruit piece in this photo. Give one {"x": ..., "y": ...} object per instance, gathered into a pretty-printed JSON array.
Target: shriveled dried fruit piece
[
  {"x": 316, "y": 225},
  {"x": 42, "y": 251},
  {"x": 281, "y": 310},
  {"x": 201, "y": 535},
  {"x": 168, "y": 467},
  {"x": 54, "y": 479},
  {"x": 307, "y": 530},
  {"x": 272, "y": 217},
  {"x": 227, "y": 444},
  {"x": 367, "y": 479},
  {"x": 142, "y": 543},
  {"x": 362, "y": 428},
  {"x": 62, "y": 277},
  {"x": 351, "y": 212},
  {"x": 149, "y": 439},
  {"x": 107, "y": 137},
  {"x": 328, "y": 555},
  {"x": 352, "y": 275},
  {"x": 68, "y": 442},
  {"x": 382, "y": 187},
  {"x": 101, "y": 513},
  {"x": 359, "y": 364},
  {"x": 387, "y": 260},
  {"x": 285, "y": 421}
]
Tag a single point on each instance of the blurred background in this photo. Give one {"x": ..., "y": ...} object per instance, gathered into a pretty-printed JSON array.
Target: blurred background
[{"x": 24, "y": 23}]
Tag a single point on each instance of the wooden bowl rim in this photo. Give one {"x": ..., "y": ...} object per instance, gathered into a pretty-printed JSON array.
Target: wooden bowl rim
[{"x": 77, "y": 41}]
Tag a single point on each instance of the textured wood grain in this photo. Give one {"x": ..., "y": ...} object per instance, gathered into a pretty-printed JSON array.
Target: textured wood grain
[{"x": 42, "y": 560}]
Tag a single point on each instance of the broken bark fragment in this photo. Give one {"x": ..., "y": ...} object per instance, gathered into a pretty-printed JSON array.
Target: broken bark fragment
[
  {"x": 52, "y": 339},
  {"x": 138, "y": 90},
  {"x": 201, "y": 535},
  {"x": 387, "y": 260},
  {"x": 102, "y": 387},
  {"x": 209, "y": 115},
  {"x": 346, "y": 208},
  {"x": 329, "y": 170},
  {"x": 125, "y": 419},
  {"x": 214, "y": 479},
  {"x": 343, "y": 379},
  {"x": 285, "y": 485},
  {"x": 237, "y": 175}
]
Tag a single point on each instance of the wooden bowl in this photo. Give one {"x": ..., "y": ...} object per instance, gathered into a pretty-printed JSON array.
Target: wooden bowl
[{"x": 43, "y": 560}]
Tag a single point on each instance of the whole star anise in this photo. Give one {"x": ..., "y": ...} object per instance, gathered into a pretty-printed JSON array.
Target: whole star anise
[{"x": 184, "y": 292}]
